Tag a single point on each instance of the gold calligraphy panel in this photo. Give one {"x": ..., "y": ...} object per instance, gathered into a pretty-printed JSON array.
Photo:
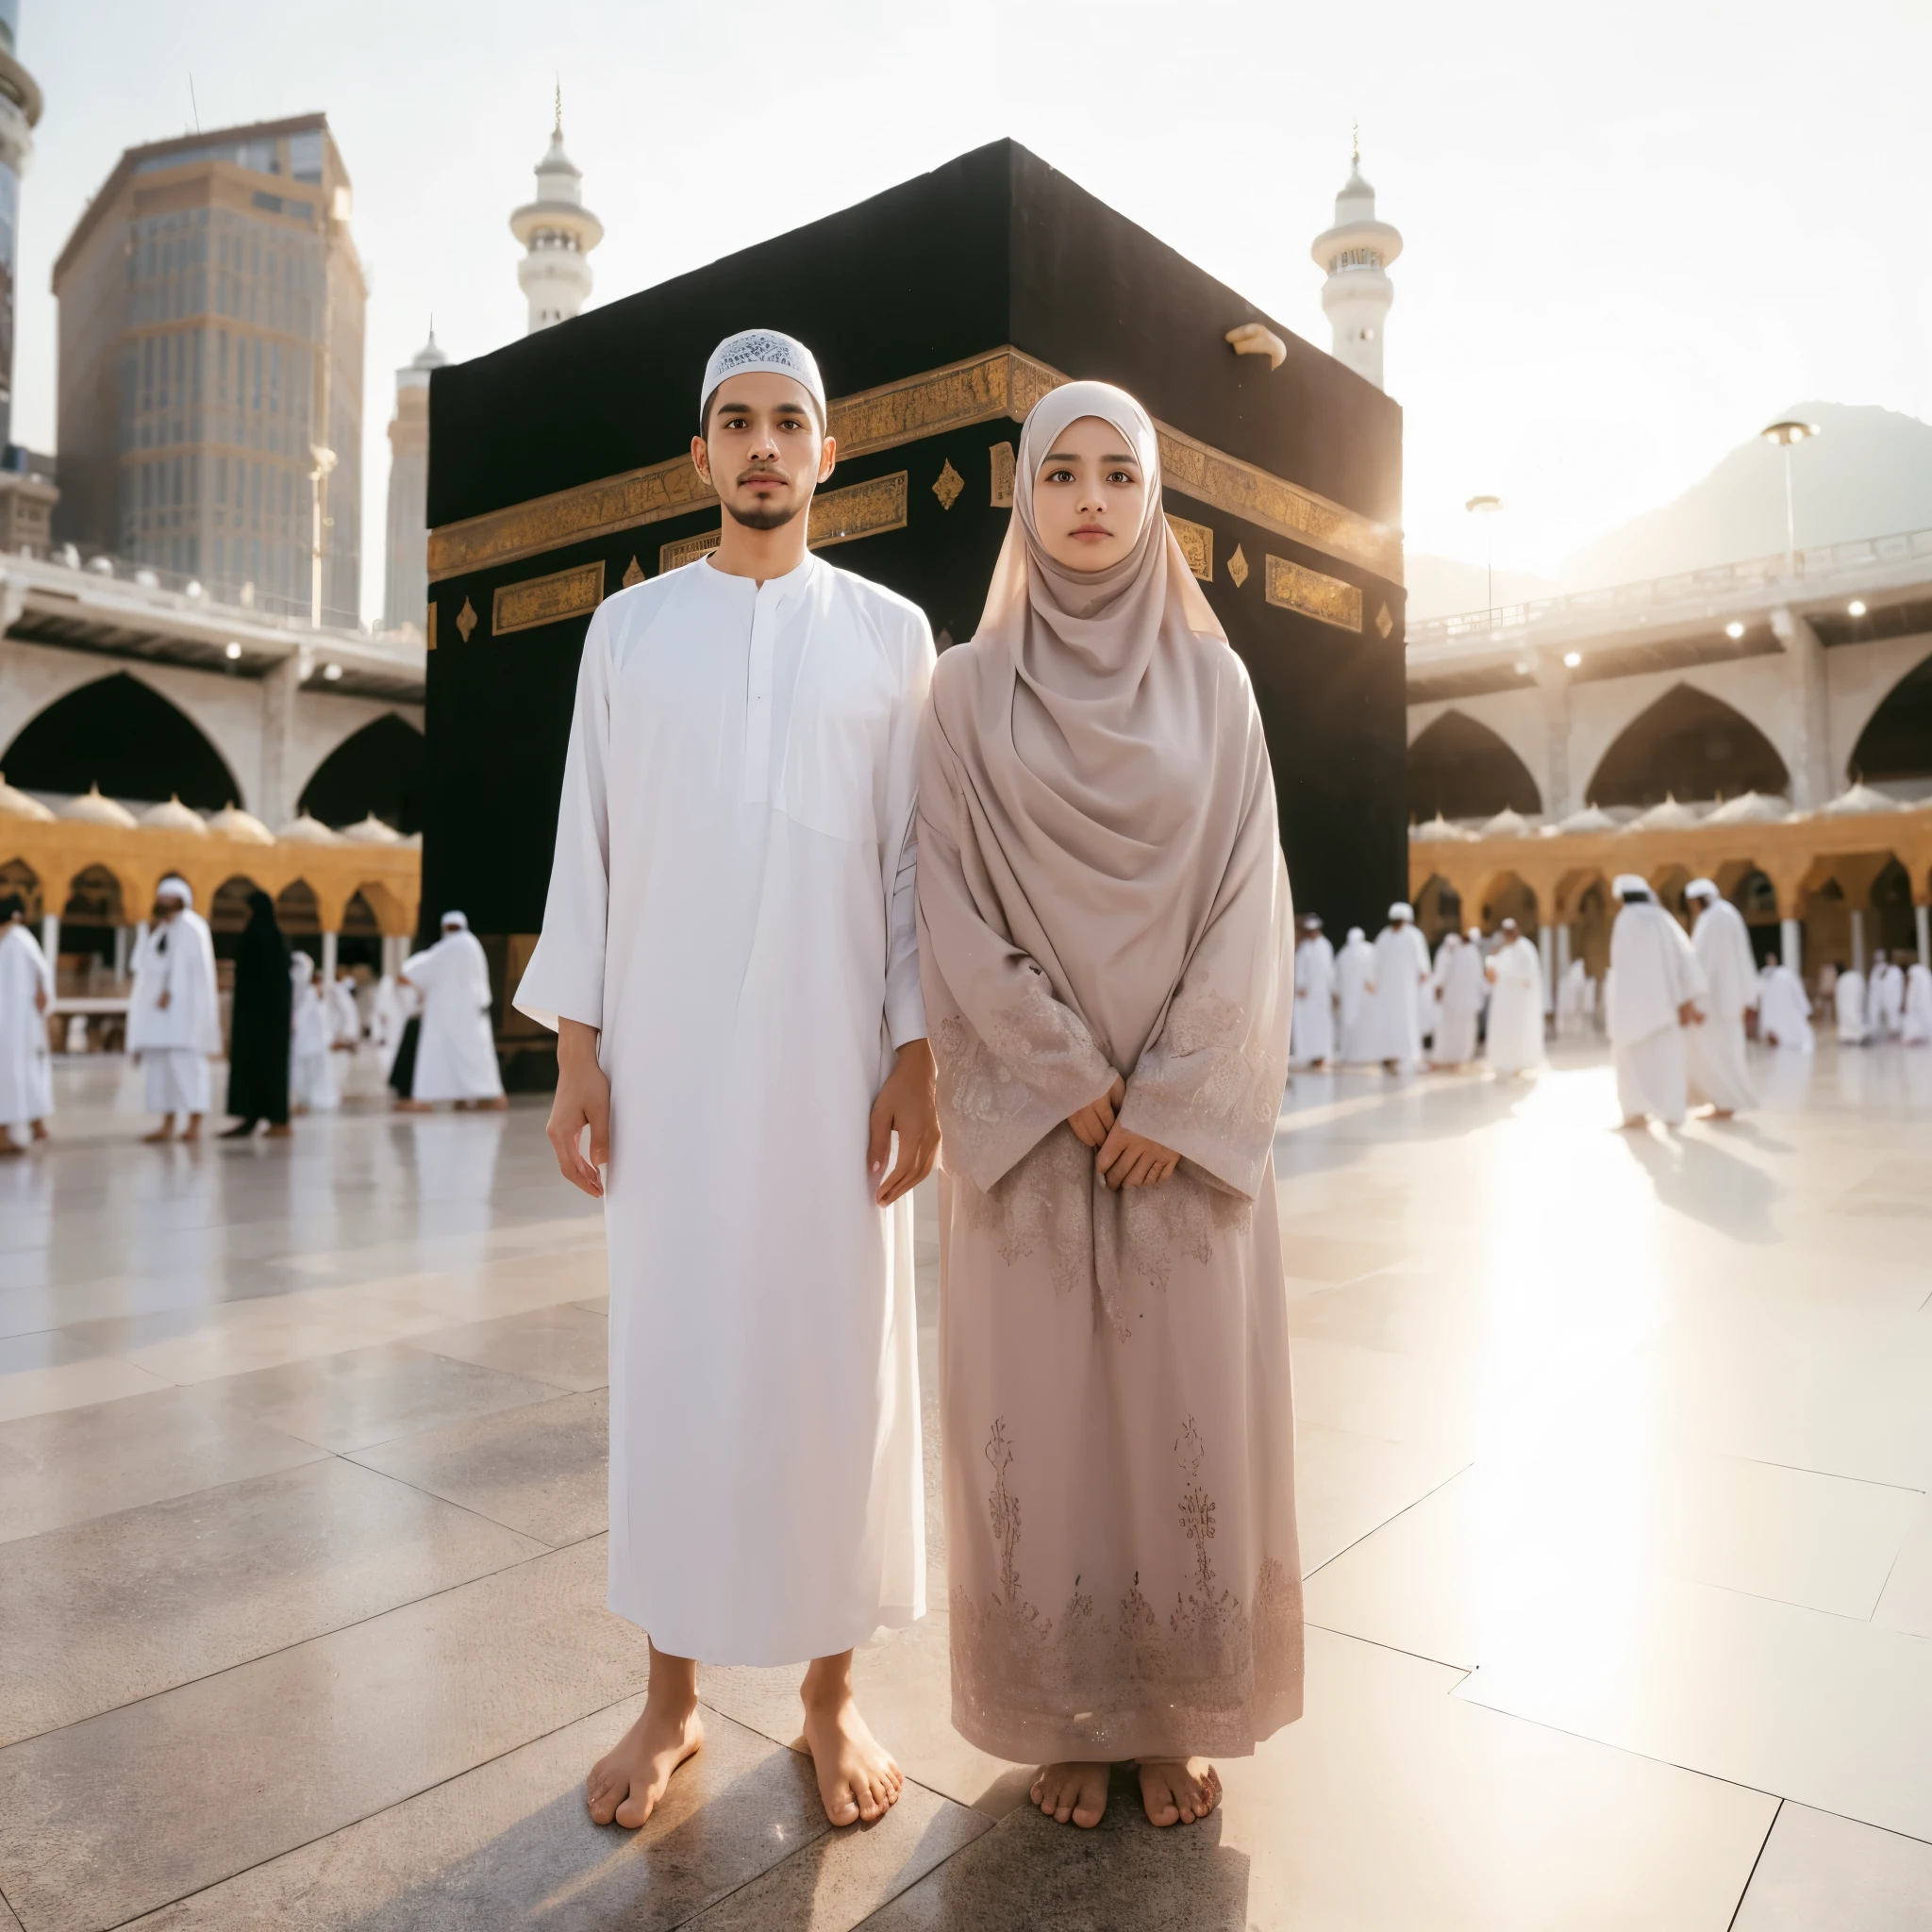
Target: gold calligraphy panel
[
  {"x": 1002, "y": 384},
  {"x": 838, "y": 516},
  {"x": 1197, "y": 546},
  {"x": 547, "y": 600},
  {"x": 685, "y": 550},
  {"x": 1003, "y": 462},
  {"x": 1293, "y": 587}
]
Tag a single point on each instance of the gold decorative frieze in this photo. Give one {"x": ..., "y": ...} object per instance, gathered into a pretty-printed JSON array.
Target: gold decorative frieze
[
  {"x": 685, "y": 550},
  {"x": 467, "y": 620},
  {"x": 551, "y": 599},
  {"x": 1003, "y": 461},
  {"x": 1384, "y": 623},
  {"x": 633, "y": 573},
  {"x": 430, "y": 627},
  {"x": 1197, "y": 546},
  {"x": 948, "y": 485},
  {"x": 1002, "y": 384},
  {"x": 861, "y": 509},
  {"x": 1237, "y": 567},
  {"x": 1294, "y": 587}
]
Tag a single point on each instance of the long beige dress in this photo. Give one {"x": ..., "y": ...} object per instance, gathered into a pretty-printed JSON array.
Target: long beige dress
[{"x": 1100, "y": 888}]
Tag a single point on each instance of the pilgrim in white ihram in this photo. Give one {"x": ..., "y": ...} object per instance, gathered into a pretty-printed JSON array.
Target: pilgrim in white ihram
[
  {"x": 1888, "y": 997},
  {"x": 1718, "y": 1068},
  {"x": 1515, "y": 1041},
  {"x": 1654, "y": 979},
  {"x": 732, "y": 905},
  {"x": 312, "y": 1033},
  {"x": 1312, "y": 1035},
  {"x": 1393, "y": 1010},
  {"x": 173, "y": 1021},
  {"x": 1848, "y": 1006},
  {"x": 1353, "y": 965},
  {"x": 456, "y": 1047},
  {"x": 1784, "y": 1009},
  {"x": 26, "y": 991},
  {"x": 1461, "y": 993}
]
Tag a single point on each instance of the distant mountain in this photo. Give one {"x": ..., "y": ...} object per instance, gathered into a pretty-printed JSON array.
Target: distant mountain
[
  {"x": 1447, "y": 587},
  {"x": 1869, "y": 474}
]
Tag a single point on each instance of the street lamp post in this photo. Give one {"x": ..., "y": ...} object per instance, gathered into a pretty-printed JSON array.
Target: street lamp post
[
  {"x": 1487, "y": 507},
  {"x": 1785, "y": 435}
]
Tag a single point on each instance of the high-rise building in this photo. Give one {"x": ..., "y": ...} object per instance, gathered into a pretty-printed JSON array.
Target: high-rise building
[
  {"x": 211, "y": 312},
  {"x": 406, "y": 575},
  {"x": 1355, "y": 253},
  {"x": 19, "y": 108},
  {"x": 557, "y": 232}
]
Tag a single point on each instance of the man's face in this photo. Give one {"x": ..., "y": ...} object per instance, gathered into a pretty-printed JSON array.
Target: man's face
[
  {"x": 167, "y": 905},
  {"x": 762, "y": 451},
  {"x": 1509, "y": 930}
]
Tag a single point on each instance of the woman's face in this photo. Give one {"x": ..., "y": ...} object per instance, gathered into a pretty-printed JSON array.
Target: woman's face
[{"x": 1090, "y": 496}]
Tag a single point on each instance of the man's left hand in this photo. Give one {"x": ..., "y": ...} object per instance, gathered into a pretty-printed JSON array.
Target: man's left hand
[
  {"x": 1687, "y": 1014},
  {"x": 908, "y": 1106}
]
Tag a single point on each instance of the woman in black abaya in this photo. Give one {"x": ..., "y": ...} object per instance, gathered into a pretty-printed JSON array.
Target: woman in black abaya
[{"x": 258, "y": 1031}]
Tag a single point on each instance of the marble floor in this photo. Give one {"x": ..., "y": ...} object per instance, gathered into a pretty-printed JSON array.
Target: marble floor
[{"x": 1613, "y": 1461}]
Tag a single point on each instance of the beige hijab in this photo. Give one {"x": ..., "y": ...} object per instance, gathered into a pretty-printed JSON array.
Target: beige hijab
[{"x": 1097, "y": 810}]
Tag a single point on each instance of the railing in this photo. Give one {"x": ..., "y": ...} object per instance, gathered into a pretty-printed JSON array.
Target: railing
[{"x": 1814, "y": 568}]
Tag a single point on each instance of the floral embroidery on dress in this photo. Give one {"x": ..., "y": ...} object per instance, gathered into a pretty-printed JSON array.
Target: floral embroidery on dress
[{"x": 1041, "y": 1201}]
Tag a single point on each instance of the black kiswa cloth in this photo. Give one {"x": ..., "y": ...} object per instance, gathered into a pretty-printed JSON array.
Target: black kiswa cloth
[
  {"x": 402, "y": 1076},
  {"x": 258, "y": 1027}
]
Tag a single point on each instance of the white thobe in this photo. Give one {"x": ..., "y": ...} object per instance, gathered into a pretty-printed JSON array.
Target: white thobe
[
  {"x": 1719, "y": 1067},
  {"x": 456, "y": 1045},
  {"x": 26, "y": 1067},
  {"x": 174, "y": 1042},
  {"x": 1392, "y": 1012},
  {"x": 1915, "y": 1022},
  {"x": 1784, "y": 1011},
  {"x": 1312, "y": 1036},
  {"x": 1515, "y": 1041},
  {"x": 389, "y": 1007},
  {"x": 1888, "y": 1000},
  {"x": 344, "y": 1013},
  {"x": 1653, "y": 973},
  {"x": 732, "y": 905},
  {"x": 1462, "y": 991},
  {"x": 1848, "y": 1003},
  {"x": 1353, "y": 966},
  {"x": 311, "y": 1033}
]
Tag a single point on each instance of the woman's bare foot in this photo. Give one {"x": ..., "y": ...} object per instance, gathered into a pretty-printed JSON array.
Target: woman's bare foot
[
  {"x": 1077, "y": 1792},
  {"x": 858, "y": 1782},
  {"x": 625, "y": 1783},
  {"x": 1179, "y": 1793}
]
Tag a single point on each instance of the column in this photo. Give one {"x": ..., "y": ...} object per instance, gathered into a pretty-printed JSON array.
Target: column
[
  {"x": 1858, "y": 938},
  {"x": 1921, "y": 925},
  {"x": 1791, "y": 945},
  {"x": 1809, "y": 758},
  {"x": 274, "y": 804},
  {"x": 330, "y": 941},
  {"x": 50, "y": 943},
  {"x": 1546, "y": 950},
  {"x": 395, "y": 949},
  {"x": 1553, "y": 680},
  {"x": 123, "y": 936}
]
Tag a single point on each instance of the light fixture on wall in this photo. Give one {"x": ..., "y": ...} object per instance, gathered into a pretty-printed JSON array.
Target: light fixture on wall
[
  {"x": 1856, "y": 608},
  {"x": 1734, "y": 629},
  {"x": 231, "y": 651},
  {"x": 1572, "y": 658},
  {"x": 332, "y": 672}
]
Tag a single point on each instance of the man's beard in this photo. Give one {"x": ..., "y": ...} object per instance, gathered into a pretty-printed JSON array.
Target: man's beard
[{"x": 764, "y": 518}]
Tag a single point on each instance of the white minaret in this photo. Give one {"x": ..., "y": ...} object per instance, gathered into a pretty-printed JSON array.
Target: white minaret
[
  {"x": 1355, "y": 253},
  {"x": 557, "y": 232}
]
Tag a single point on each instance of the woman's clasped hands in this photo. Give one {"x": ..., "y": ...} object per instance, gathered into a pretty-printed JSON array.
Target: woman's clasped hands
[{"x": 1125, "y": 1158}]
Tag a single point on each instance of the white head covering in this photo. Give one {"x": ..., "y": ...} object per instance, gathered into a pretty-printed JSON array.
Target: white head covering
[
  {"x": 1700, "y": 889},
  {"x": 1476, "y": 933},
  {"x": 1355, "y": 932},
  {"x": 1627, "y": 882},
  {"x": 762, "y": 351},
  {"x": 174, "y": 887},
  {"x": 460, "y": 919},
  {"x": 1402, "y": 909}
]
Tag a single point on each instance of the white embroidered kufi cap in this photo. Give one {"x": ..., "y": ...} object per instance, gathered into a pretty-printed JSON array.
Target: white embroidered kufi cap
[
  {"x": 1402, "y": 909},
  {"x": 1700, "y": 889},
  {"x": 174, "y": 887},
  {"x": 460, "y": 919},
  {"x": 758, "y": 352}
]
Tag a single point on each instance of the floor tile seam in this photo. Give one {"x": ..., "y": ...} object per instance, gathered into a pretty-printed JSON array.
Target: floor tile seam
[
  {"x": 470, "y": 1508},
  {"x": 363, "y": 1818},
  {"x": 1422, "y": 1657},
  {"x": 299, "y": 1643},
  {"x": 1415, "y": 1504},
  {"x": 1744, "y": 1891},
  {"x": 356, "y": 1449},
  {"x": 1870, "y": 1482}
]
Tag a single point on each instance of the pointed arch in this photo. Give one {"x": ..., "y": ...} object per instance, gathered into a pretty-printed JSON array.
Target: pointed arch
[
  {"x": 1687, "y": 744},
  {"x": 1896, "y": 742},
  {"x": 1464, "y": 770},
  {"x": 123, "y": 736},
  {"x": 379, "y": 769}
]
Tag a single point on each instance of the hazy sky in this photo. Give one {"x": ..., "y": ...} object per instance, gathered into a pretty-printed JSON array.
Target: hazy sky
[{"x": 1632, "y": 234}]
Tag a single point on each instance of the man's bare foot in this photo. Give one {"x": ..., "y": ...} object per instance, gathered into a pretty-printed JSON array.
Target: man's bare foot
[
  {"x": 41, "y": 1132},
  {"x": 1636, "y": 1120},
  {"x": 192, "y": 1132},
  {"x": 1179, "y": 1793},
  {"x": 625, "y": 1783},
  {"x": 279, "y": 1130},
  {"x": 9, "y": 1144},
  {"x": 401, "y": 1106},
  {"x": 858, "y": 1782},
  {"x": 163, "y": 1132},
  {"x": 1077, "y": 1792}
]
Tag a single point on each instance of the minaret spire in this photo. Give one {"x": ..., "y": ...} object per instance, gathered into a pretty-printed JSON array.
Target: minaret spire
[
  {"x": 557, "y": 232},
  {"x": 1355, "y": 253}
]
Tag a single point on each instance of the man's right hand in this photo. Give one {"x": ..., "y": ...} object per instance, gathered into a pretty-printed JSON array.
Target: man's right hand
[{"x": 583, "y": 1100}]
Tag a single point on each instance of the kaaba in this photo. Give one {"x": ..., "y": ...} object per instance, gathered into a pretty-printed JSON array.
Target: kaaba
[{"x": 940, "y": 310}]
